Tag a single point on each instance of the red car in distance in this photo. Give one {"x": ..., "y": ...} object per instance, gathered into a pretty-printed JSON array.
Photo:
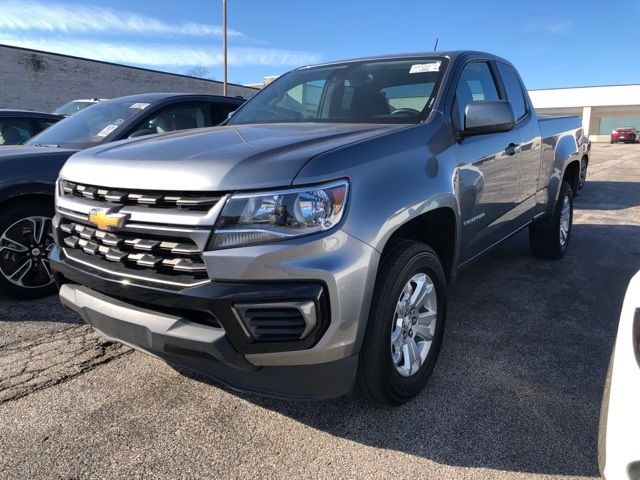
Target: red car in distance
[{"x": 626, "y": 135}]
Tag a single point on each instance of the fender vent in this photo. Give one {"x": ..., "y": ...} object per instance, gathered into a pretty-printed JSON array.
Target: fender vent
[{"x": 278, "y": 322}]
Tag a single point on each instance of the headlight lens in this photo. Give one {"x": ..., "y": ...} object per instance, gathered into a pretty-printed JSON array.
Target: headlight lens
[{"x": 250, "y": 218}]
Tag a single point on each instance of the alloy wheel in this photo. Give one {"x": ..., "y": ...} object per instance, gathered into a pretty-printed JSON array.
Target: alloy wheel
[
  {"x": 414, "y": 324},
  {"x": 565, "y": 220},
  {"x": 24, "y": 252}
]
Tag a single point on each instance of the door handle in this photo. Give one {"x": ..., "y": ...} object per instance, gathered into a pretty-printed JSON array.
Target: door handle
[{"x": 511, "y": 149}]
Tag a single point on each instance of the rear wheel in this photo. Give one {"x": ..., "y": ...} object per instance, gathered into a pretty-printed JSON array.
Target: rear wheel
[
  {"x": 406, "y": 325},
  {"x": 550, "y": 239},
  {"x": 26, "y": 238},
  {"x": 583, "y": 173}
]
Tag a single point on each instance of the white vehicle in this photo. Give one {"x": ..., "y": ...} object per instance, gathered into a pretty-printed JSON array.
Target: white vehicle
[
  {"x": 619, "y": 438},
  {"x": 76, "y": 105}
]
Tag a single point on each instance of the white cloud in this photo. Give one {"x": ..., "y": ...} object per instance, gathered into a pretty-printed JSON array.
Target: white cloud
[
  {"x": 553, "y": 27},
  {"x": 161, "y": 55},
  {"x": 78, "y": 18}
]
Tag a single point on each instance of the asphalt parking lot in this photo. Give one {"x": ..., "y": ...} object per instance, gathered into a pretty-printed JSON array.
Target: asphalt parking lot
[{"x": 516, "y": 392}]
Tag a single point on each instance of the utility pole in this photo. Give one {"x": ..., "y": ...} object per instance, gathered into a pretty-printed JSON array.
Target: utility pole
[{"x": 224, "y": 44}]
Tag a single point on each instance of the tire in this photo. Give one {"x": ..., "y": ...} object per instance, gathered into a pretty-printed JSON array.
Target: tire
[
  {"x": 379, "y": 371},
  {"x": 546, "y": 237},
  {"x": 25, "y": 243}
]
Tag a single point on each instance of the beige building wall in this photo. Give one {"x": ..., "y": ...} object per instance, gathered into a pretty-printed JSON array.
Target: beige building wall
[{"x": 43, "y": 81}]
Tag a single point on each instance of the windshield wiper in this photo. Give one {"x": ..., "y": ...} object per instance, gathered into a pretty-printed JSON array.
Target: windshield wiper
[{"x": 50, "y": 145}]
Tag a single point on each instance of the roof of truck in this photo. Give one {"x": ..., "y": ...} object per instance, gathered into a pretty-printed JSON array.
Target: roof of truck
[{"x": 451, "y": 54}]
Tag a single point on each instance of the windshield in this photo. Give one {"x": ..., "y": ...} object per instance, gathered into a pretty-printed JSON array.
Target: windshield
[
  {"x": 375, "y": 91},
  {"x": 72, "y": 107},
  {"x": 89, "y": 126}
]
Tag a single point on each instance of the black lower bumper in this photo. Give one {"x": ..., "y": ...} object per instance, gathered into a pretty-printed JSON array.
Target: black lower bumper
[{"x": 196, "y": 328}]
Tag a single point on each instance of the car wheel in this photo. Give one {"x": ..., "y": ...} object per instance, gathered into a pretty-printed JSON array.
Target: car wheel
[
  {"x": 406, "y": 324},
  {"x": 26, "y": 238},
  {"x": 550, "y": 239}
]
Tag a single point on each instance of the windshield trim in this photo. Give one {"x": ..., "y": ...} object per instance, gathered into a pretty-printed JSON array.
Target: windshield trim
[{"x": 426, "y": 111}]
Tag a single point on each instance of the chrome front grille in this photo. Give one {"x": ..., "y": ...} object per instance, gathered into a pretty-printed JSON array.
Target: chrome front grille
[
  {"x": 155, "y": 199},
  {"x": 160, "y": 240},
  {"x": 133, "y": 251}
]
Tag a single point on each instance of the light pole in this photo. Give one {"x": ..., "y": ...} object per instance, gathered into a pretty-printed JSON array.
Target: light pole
[{"x": 224, "y": 44}]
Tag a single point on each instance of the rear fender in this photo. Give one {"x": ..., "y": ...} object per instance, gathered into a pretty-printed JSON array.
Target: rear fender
[{"x": 566, "y": 152}]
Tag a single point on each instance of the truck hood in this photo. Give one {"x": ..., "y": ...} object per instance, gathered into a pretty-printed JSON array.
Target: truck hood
[{"x": 215, "y": 159}]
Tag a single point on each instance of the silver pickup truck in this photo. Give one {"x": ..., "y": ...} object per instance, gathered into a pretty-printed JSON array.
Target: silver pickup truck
[{"x": 305, "y": 245}]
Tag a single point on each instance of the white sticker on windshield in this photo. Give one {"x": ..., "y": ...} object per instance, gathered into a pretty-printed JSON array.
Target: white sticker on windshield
[
  {"x": 425, "y": 67},
  {"x": 140, "y": 106},
  {"x": 107, "y": 130}
]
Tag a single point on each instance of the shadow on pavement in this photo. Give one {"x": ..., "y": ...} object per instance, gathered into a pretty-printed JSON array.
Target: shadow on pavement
[
  {"x": 599, "y": 195},
  {"x": 519, "y": 381},
  {"x": 48, "y": 309}
]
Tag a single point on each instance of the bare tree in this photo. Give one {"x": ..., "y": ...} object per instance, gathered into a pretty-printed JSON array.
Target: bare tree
[{"x": 198, "y": 71}]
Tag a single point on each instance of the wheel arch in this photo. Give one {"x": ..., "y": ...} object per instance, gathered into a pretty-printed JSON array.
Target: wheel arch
[
  {"x": 20, "y": 192},
  {"x": 437, "y": 228}
]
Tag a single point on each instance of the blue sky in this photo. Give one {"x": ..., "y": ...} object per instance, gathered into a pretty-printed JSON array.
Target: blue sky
[{"x": 553, "y": 43}]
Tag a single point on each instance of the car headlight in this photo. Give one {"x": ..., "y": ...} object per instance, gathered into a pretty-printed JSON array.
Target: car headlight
[{"x": 250, "y": 218}]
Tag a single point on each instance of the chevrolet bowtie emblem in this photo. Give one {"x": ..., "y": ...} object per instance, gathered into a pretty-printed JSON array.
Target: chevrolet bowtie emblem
[{"x": 104, "y": 219}]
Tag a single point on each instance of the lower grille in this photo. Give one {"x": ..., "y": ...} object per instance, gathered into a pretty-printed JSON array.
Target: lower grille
[
  {"x": 275, "y": 324},
  {"x": 128, "y": 251},
  {"x": 278, "y": 322}
]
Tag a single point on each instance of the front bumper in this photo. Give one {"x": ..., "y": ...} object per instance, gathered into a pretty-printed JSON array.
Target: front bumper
[{"x": 196, "y": 327}]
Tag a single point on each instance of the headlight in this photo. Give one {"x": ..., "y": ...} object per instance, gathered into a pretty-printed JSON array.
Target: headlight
[{"x": 250, "y": 218}]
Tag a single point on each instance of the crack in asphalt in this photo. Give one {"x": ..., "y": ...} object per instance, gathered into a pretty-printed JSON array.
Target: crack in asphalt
[{"x": 29, "y": 365}]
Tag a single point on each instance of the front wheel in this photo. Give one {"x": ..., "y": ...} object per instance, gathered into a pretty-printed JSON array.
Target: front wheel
[
  {"x": 26, "y": 238},
  {"x": 550, "y": 238},
  {"x": 406, "y": 324}
]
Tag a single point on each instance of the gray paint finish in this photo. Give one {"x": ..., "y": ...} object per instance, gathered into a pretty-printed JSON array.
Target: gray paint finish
[{"x": 396, "y": 172}]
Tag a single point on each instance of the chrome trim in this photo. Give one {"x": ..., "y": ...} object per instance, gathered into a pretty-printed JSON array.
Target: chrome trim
[
  {"x": 137, "y": 277},
  {"x": 81, "y": 207}
]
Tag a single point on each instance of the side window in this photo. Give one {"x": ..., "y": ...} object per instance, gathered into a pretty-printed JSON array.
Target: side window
[
  {"x": 14, "y": 131},
  {"x": 303, "y": 99},
  {"x": 476, "y": 84},
  {"x": 177, "y": 117},
  {"x": 42, "y": 124},
  {"x": 514, "y": 90},
  {"x": 220, "y": 111}
]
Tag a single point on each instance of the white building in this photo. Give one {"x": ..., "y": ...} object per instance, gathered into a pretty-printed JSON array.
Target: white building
[{"x": 602, "y": 109}]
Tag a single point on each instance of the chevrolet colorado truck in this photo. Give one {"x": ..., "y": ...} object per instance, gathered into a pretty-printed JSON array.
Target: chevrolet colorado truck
[
  {"x": 305, "y": 245},
  {"x": 28, "y": 173}
]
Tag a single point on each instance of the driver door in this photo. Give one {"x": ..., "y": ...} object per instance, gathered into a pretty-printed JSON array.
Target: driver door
[{"x": 488, "y": 169}]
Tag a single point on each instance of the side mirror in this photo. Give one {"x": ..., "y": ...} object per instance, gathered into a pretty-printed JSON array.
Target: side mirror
[
  {"x": 488, "y": 117},
  {"x": 142, "y": 132}
]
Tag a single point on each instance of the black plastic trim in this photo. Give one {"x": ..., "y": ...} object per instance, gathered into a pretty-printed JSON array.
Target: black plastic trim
[{"x": 210, "y": 303}]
